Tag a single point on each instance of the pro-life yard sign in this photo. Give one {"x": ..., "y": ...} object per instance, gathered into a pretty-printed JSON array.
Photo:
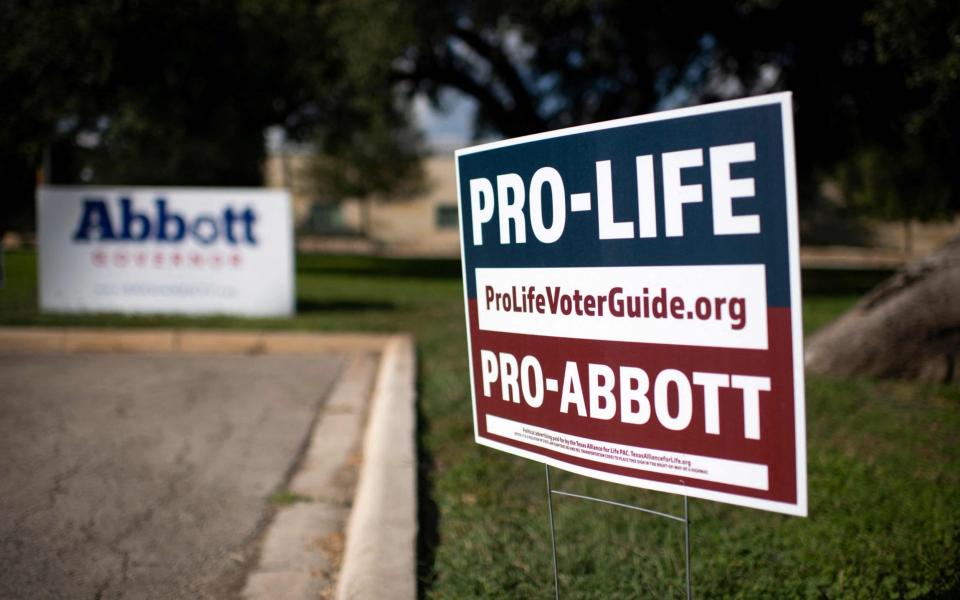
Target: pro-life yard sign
[{"x": 632, "y": 291}]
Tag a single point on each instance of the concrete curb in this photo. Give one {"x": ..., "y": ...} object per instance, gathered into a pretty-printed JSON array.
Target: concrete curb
[
  {"x": 81, "y": 339},
  {"x": 380, "y": 556},
  {"x": 302, "y": 548}
]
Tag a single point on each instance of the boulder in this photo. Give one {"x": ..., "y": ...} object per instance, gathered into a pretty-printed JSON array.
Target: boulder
[{"x": 908, "y": 327}]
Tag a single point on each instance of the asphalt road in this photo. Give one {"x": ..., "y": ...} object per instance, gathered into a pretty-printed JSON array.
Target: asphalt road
[{"x": 145, "y": 475}]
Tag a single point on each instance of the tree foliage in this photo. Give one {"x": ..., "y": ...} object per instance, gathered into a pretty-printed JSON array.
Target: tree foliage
[
  {"x": 153, "y": 92},
  {"x": 144, "y": 91},
  {"x": 367, "y": 143},
  {"x": 876, "y": 82},
  {"x": 910, "y": 173}
]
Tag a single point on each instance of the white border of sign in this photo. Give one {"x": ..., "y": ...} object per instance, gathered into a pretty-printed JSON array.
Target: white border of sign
[{"x": 793, "y": 249}]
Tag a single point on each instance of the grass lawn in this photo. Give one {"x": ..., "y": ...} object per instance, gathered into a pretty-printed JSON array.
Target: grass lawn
[{"x": 884, "y": 469}]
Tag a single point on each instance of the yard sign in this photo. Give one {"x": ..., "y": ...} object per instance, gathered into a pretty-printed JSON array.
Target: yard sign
[
  {"x": 632, "y": 291},
  {"x": 166, "y": 250}
]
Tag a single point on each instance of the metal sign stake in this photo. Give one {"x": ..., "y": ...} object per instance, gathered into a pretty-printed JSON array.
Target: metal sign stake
[
  {"x": 686, "y": 543},
  {"x": 685, "y": 519},
  {"x": 553, "y": 535}
]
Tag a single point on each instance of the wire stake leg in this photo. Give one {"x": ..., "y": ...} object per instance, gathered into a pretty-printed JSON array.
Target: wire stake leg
[
  {"x": 553, "y": 534},
  {"x": 686, "y": 543}
]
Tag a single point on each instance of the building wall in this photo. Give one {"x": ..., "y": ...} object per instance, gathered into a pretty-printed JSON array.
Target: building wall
[
  {"x": 422, "y": 225},
  {"x": 426, "y": 224}
]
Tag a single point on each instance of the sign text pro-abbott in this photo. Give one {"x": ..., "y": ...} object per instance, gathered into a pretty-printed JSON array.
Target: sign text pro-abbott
[{"x": 633, "y": 301}]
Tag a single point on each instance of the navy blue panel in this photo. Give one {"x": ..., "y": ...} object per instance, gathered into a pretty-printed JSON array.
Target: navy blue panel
[{"x": 574, "y": 156}]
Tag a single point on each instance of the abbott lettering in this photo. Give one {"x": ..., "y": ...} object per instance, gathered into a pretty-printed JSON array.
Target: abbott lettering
[{"x": 162, "y": 224}]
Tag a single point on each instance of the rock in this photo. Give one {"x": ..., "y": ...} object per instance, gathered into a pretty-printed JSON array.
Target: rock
[{"x": 908, "y": 327}]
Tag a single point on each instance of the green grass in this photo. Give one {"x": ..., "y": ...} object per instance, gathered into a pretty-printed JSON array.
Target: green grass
[
  {"x": 287, "y": 498},
  {"x": 884, "y": 468}
]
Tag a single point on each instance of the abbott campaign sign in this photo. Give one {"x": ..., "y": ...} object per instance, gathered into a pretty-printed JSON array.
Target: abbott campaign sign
[
  {"x": 633, "y": 301},
  {"x": 165, "y": 250}
]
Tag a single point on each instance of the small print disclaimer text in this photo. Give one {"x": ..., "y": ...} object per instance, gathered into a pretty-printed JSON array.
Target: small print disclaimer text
[{"x": 704, "y": 468}]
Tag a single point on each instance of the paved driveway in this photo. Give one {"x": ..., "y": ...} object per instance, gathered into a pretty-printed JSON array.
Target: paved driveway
[{"x": 145, "y": 475}]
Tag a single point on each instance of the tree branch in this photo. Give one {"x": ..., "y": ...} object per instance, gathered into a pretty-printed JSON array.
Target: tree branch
[{"x": 503, "y": 70}]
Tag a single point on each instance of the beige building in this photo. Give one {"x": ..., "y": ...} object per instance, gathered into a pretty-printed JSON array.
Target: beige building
[
  {"x": 427, "y": 225},
  {"x": 424, "y": 225}
]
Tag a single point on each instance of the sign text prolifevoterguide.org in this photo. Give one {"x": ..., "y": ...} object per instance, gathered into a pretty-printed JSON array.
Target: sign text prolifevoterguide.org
[{"x": 632, "y": 297}]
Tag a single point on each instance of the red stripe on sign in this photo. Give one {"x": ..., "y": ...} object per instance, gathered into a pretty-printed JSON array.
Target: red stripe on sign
[{"x": 747, "y": 422}]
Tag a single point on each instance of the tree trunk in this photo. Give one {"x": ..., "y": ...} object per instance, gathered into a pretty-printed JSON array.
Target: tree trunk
[
  {"x": 907, "y": 238},
  {"x": 907, "y": 327}
]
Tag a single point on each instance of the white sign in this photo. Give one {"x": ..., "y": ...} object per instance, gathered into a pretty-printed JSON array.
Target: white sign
[{"x": 165, "y": 250}]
